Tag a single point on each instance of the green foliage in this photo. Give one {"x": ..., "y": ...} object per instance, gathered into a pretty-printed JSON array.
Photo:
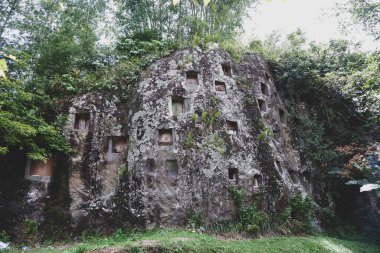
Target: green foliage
[
  {"x": 303, "y": 208},
  {"x": 173, "y": 241},
  {"x": 4, "y": 237},
  {"x": 336, "y": 84},
  {"x": 250, "y": 219},
  {"x": 23, "y": 123},
  {"x": 265, "y": 133},
  {"x": 123, "y": 170},
  {"x": 31, "y": 227},
  {"x": 313, "y": 142},
  {"x": 366, "y": 13},
  {"x": 194, "y": 219},
  {"x": 188, "y": 21},
  {"x": 208, "y": 118}
]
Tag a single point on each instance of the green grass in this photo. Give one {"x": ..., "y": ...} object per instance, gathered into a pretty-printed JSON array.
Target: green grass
[{"x": 186, "y": 241}]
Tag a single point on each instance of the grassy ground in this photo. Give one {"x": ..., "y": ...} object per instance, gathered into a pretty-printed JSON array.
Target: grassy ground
[{"x": 186, "y": 241}]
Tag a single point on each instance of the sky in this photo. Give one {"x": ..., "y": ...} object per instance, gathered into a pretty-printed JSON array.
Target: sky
[{"x": 315, "y": 17}]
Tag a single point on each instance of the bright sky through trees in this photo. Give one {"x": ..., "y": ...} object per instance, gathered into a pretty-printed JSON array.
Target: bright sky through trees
[{"x": 315, "y": 17}]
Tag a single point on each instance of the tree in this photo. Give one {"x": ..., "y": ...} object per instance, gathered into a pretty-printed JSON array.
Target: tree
[
  {"x": 184, "y": 20},
  {"x": 366, "y": 13},
  {"x": 23, "y": 124}
]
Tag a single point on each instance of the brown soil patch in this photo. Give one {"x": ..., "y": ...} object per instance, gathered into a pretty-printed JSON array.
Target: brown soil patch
[{"x": 109, "y": 250}]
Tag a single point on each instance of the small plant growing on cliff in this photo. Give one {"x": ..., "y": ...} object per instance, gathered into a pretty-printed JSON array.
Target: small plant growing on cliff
[
  {"x": 4, "y": 237},
  {"x": 189, "y": 141},
  {"x": 250, "y": 218},
  {"x": 123, "y": 170},
  {"x": 194, "y": 219},
  {"x": 302, "y": 212},
  {"x": 265, "y": 133},
  {"x": 30, "y": 230},
  {"x": 209, "y": 118},
  {"x": 194, "y": 118}
]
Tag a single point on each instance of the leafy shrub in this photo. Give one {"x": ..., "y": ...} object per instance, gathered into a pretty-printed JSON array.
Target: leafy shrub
[
  {"x": 194, "y": 219},
  {"x": 4, "y": 237},
  {"x": 303, "y": 209}
]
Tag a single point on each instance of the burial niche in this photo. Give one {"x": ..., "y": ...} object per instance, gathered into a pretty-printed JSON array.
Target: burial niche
[
  {"x": 257, "y": 180},
  {"x": 227, "y": 71},
  {"x": 178, "y": 105},
  {"x": 41, "y": 168},
  {"x": 278, "y": 164},
  {"x": 150, "y": 165},
  {"x": 262, "y": 104},
  {"x": 282, "y": 115},
  {"x": 191, "y": 78},
  {"x": 264, "y": 89},
  {"x": 171, "y": 168},
  {"x": 165, "y": 137},
  {"x": 82, "y": 121},
  {"x": 119, "y": 144},
  {"x": 232, "y": 127},
  {"x": 233, "y": 175},
  {"x": 220, "y": 86},
  {"x": 294, "y": 176}
]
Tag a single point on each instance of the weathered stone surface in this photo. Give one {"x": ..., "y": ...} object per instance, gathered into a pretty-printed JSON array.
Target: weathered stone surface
[
  {"x": 94, "y": 167},
  {"x": 203, "y": 151},
  {"x": 187, "y": 135}
]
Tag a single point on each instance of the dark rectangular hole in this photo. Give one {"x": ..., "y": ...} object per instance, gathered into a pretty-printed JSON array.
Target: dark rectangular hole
[
  {"x": 278, "y": 164},
  {"x": 264, "y": 89},
  {"x": 150, "y": 165},
  {"x": 171, "y": 168},
  {"x": 81, "y": 121},
  {"x": 257, "y": 180},
  {"x": 165, "y": 137},
  {"x": 293, "y": 176},
  {"x": 119, "y": 144},
  {"x": 282, "y": 115},
  {"x": 220, "y": 86},
  {"x": 192, "y": 78},
  {"x": 178, "y": 106},
  {"x": 227, "y": 71},
  {"x": 232, "y": 127},
  {"x": 233, "y": 175},
  {"x": 262, "y": 105}
]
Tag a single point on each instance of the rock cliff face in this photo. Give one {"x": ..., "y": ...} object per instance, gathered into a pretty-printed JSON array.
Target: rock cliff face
[{"x": 196, "y": 125}]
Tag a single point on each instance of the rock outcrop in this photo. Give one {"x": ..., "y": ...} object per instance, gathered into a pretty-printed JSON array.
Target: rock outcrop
[{"x": 196, "y": 125}]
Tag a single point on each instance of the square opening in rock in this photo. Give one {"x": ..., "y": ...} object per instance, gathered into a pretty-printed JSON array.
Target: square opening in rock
[
  {"x": 232, "y": 127},
  {"x": 262, "y": 105},
  {"x": 264, "y": 89},
  {"x": 192, "y": 78},
  {"x": 257, "y": 180},
  {"x": 41, "y": 168},
  {"x": 150, "y": 165},
  {"x": 82, "y": 121},
  {"x": 171, "y": 168},
  {"x": 233, "y": 175},
  {"x": 119, "y": 144},
  {"x": 178, "y": 105},
  {"x": 227, "y": 71},
  {"x": 220, "y": 86},
  {"x": 165, "y": 137}
]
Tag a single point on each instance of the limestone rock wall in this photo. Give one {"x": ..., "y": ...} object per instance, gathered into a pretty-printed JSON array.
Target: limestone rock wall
[
  {"x": 203, "y": 160},
  {"x": 96, "y": 124},
  {"x": 197, "y": 125}
]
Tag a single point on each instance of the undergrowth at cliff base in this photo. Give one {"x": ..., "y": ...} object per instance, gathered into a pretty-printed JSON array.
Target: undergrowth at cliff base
[{"x": 188, "y": 241}]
